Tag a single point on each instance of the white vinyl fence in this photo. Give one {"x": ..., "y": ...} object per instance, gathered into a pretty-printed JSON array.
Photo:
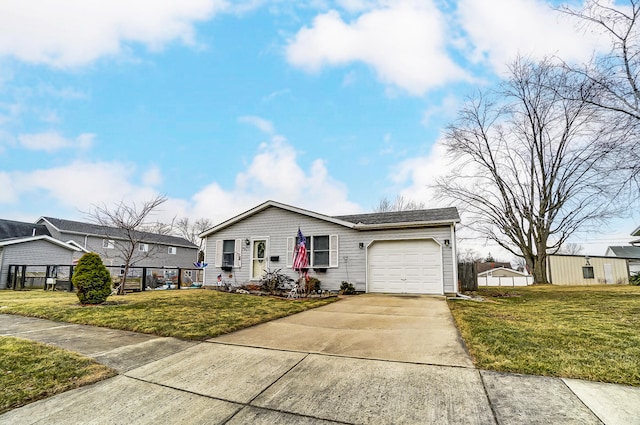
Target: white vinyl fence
[{"x": 505, "y": 281}]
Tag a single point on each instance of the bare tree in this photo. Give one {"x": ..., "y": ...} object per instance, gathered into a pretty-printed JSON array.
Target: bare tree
[
  {"x": 191, "y": 231},
  {"x": 571, "y": 248},
  {"x": 126, "y": 225},
  {"x": 615, "y": 74},
  {"x": 528, "y": 162},
  {"x": 399, "y": 204}
]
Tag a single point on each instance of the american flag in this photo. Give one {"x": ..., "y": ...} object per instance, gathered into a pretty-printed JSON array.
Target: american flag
[{"x": 300, "y": 254}]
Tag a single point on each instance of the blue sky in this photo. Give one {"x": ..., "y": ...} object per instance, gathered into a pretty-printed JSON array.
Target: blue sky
[{"x": 221, "y": 105}]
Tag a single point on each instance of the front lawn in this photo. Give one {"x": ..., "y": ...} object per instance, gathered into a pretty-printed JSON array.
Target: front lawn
[
  {"x": 584, "y": 332},
  {"x": 188, "y": 314},
  {"x": 31, "y": 371}
]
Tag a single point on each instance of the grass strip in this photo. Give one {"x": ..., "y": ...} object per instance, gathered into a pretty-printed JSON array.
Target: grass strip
[
  {"x": 185, "y": 314},
  {"x": 31, "y": 371},
  {"x": 583, "y": 332}
]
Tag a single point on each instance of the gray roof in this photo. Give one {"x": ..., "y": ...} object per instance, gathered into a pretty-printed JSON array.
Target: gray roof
[
  {"x": 626, "y": 251},
  {"x": 413, "y": 216},
  {"x": 77, "y": 227},
  {"x": 10, "y": 229}
]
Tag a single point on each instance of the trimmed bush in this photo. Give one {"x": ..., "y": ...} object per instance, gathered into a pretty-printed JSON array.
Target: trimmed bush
[
  {"x": 92, "y": 279},
  {"x": 347, "y": 288}
]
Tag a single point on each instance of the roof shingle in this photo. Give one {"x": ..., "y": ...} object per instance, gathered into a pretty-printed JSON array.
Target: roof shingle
[
  {"x": 413, "y": 216},
  {"x": 98, "y": 230},
  {"x": 10, "y": 229}
]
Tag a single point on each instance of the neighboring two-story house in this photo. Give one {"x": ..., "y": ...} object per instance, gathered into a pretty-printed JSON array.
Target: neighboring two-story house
[{"x": 155, "y": 250}]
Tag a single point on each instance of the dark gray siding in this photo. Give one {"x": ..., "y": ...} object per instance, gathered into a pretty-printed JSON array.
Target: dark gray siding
[
  {"x": 38, "y": 252},
  {"x": 276, "y": 225}
]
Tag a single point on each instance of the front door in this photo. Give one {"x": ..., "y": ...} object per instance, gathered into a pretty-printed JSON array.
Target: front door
[{"x": 258, "y": 258}]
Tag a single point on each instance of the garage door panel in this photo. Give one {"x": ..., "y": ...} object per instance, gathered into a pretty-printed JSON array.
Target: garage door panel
[{"x": 406, "y": 266}]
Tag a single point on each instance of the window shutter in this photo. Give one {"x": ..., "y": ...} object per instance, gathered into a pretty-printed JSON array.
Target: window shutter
[
  {"x": 333, "y": 250},
  {"x": 237, "y": 254},
  {"x": 218, "y": 258},
  {"x": 291, "y": 245}
]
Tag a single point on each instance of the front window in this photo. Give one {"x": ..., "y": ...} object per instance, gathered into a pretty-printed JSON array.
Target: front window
[
  {"x": 143, "y": 247},
  {"x": 320, "y": 251},
  {"x": 108, "y": 243},
  {"x": 172, "y": 250},
  {"x": 228, "y": 252},
  {"x": 587, "y": 272}
]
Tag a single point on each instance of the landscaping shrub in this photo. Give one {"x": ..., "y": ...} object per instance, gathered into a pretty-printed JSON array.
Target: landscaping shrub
[
  {"x": 312, "y": 285},
  {"x": 92, "y": 279},
  {"x": 347, "y": 288},
  {"x": 274, "y": 280},
  {"x": 635, "y": 280}
]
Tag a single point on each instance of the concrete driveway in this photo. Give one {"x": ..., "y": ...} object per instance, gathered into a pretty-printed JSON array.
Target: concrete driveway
[
  {"x": 370, "y": 359},
  {"x": 415, "y": 329}
]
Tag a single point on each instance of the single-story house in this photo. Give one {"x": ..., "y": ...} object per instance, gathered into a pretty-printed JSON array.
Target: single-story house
[
  {"x": 503, "y": 276},
  {"x": 586, "y": 270},
  {"x": 156, "y": 250},
  {"x": 393, "y": 252},
  {"x": 482, "y": 266},
  {"x": 630, "y": 252},
  {"x": 28, "y": 244}
]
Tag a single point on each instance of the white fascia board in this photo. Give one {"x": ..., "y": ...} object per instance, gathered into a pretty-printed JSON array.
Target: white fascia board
[{"x": 36, "y": 238}]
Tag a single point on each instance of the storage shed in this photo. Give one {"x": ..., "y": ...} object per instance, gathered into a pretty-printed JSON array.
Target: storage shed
[{"x": 586, "y": 270}]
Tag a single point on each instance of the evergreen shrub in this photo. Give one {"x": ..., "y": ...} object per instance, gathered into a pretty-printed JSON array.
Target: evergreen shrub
[{"x": 92, "y": 279}]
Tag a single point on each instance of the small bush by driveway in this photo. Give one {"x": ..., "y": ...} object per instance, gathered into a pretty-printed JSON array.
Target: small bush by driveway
[
  {"x": 193, "y": 314},
  {"x": 580, "y": 332}
]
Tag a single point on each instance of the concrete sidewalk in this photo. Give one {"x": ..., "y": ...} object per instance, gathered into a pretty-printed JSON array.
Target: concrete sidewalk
[{"x": 318, "y": 367}]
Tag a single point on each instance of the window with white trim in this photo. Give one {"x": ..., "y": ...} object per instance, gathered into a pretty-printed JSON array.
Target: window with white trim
[
  {"x": 108, "y": 243},
  {"x": 322, "y": 251},
  {"x": 228, "y": 252},
  {"x": 143, "y": 247},
  {"x": 173, "y": 250}
]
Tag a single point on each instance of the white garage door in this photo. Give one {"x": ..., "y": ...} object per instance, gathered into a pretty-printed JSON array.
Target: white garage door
[{"x": 405, "y": 267}]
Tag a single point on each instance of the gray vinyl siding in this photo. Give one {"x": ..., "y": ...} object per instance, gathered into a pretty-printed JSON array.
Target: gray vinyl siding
[
  {"x": 276, "y": 225},
  {"x": 158, "y": 254},
  {"x": 32, "y": 253}
]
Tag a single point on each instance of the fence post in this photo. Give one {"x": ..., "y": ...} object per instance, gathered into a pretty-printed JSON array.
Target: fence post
[
  {"x": 144, "y": 278},
  {"x": 71, "y": 278},
  {"x": 179, "y": 277}
]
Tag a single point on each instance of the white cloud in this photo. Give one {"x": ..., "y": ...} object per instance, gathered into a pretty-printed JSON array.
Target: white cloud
[
  {"x": 405, "y": 42},
  {"x": 446, "y": 110},
  {"x": 67, "y": 33},
  {"x": 152, "y": 177},
  {"x": 7, "y": 194},
  {"x": 261, "y": 124},
  {"x": 499, "y": 30},
  {"x": 274, "y": 173},
  {"x": 52, "y": 141},
  {"x": 415, "y": 176}
]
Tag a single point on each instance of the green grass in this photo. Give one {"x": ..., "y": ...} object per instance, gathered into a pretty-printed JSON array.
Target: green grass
[
  {"x": 187, "y": 314},
  {"x": 31, "y": 371},
  {"x": 584, "y": 332}
]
